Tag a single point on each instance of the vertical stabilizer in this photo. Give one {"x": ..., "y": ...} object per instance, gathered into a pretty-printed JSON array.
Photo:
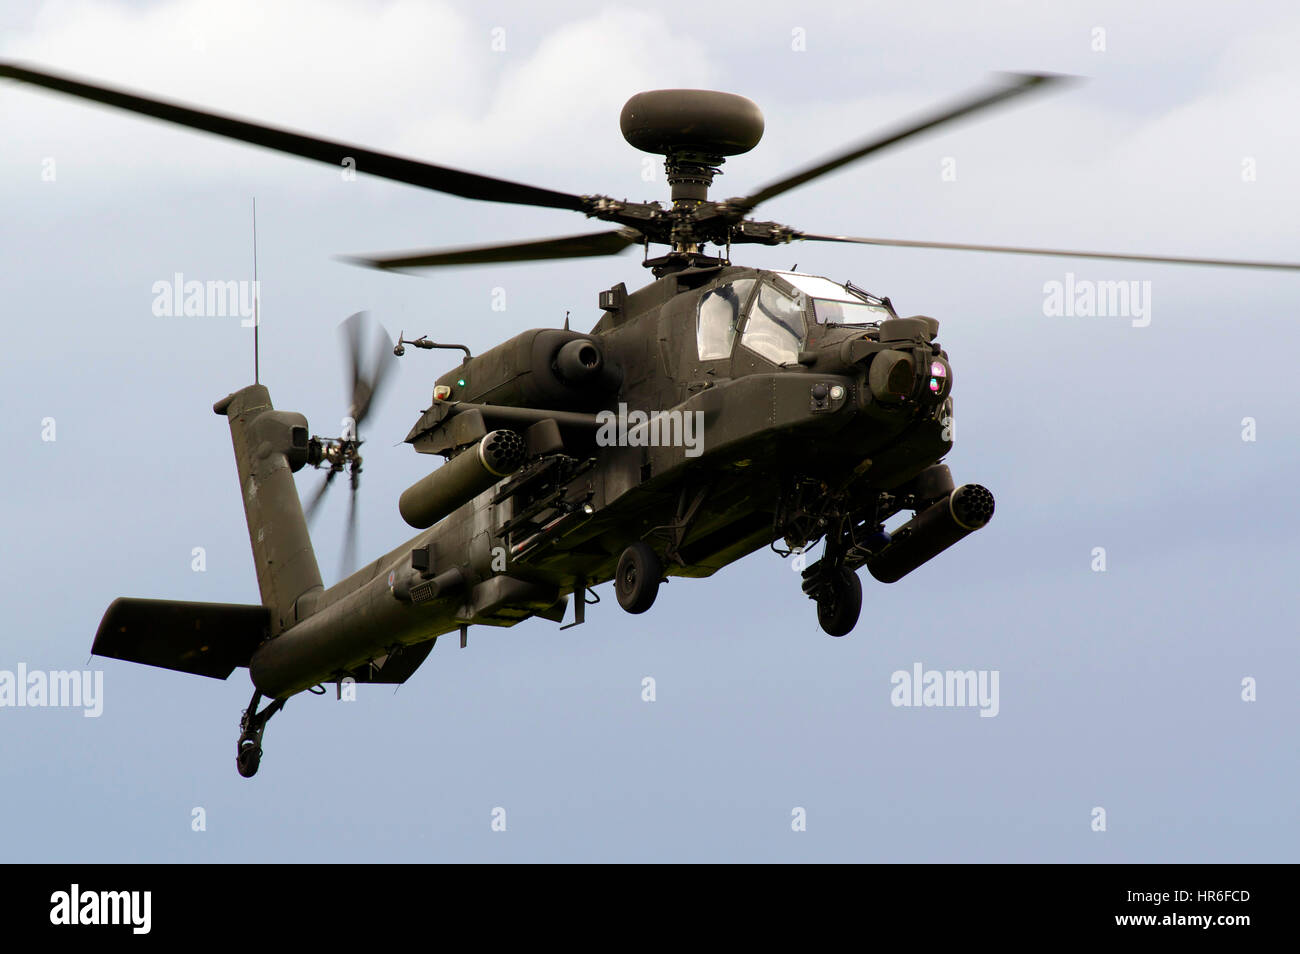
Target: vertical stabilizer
[{"x": 270, "y": 446}]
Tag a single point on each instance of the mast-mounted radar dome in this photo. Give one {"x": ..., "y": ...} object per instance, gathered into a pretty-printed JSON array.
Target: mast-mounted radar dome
[
  {"x": 694, "y": 129},
  {"x": 668, "y": 121}
]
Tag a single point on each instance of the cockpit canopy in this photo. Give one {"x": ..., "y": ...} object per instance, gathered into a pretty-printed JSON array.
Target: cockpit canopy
[
  {"x": 834, "y": 304},
  {"x": 772, "y": 314}
]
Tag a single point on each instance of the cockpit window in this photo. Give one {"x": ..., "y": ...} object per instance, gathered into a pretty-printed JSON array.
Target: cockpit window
[
  {"x": 848, "y": 312},
  {"x": 719, "y": 317},
  {"x": 775, "y": 328},
  {"x": 818, "y": 287},
  {"x": 833, "y": 303}
]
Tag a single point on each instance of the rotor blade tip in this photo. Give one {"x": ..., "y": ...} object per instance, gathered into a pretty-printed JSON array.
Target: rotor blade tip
[
  {"x": 375, "y": 263},
  {"x": 1043, "y": 79}
]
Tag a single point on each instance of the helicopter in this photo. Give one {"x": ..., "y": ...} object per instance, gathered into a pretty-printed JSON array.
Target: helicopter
[{"x": 716, "y": 411}]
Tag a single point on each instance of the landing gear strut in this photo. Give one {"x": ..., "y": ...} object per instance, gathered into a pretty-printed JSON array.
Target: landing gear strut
[{"x": 251, "y": 726}]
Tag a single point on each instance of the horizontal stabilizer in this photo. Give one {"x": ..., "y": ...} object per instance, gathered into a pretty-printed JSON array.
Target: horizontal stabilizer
[{"x": 207, "y": 639}]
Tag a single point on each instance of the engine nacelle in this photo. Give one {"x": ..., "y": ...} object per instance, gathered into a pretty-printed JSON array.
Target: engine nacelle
[{"x": 543, "y": 368}]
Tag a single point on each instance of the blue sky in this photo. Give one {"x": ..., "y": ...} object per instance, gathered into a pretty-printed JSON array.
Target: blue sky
[{"x": 1119, "y": 689}]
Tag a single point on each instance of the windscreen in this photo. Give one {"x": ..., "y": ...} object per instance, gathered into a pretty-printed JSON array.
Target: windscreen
[
  {"x": 833, "y": 304},
  {"x": 775, "y": 328}
]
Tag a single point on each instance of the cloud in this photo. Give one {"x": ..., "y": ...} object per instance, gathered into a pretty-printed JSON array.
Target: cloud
[
  {"x": 416, "y": 78},
  {"x": 560, "y": 104}
]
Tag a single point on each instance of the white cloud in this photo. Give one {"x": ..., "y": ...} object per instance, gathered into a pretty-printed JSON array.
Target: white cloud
[
  {"x": 415, "y": 78},
  {"x": 560, "y": 105}
]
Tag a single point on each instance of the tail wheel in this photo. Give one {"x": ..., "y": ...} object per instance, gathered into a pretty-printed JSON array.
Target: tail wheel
[
  {"x": 841, "y": 603},
  {"x": 636, "y": 579},
  {"x": 250, "y": 758}
]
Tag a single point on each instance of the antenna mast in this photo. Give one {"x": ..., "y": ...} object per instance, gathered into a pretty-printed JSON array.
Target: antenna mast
[{"x": 257, "y": 295}]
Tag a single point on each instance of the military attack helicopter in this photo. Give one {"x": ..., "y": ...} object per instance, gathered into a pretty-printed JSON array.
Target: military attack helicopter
[{"x": 718, "y": 410}]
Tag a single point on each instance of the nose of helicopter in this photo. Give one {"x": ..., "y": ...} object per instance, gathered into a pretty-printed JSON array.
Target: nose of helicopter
[{"x": 897, "y": 363}]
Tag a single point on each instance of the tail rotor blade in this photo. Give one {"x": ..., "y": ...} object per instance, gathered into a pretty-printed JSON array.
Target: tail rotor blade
[
  {"x": 384, "y": 363},
  {"x": 365, "y": 386},
  {"x": 351, "y": 332},
  {"x": 368, "y": 378},
  {"x": 314, "y": 503},
  {"x": 350, "y": 534}
]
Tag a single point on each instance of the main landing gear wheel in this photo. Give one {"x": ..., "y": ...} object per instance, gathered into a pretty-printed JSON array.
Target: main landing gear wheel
[
  {"x": 636, "y": 580},
  {"x": 840, "y": 602}
]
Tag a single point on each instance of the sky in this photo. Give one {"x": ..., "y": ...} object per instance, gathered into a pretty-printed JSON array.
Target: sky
[{"x": 1133, "y": 591}]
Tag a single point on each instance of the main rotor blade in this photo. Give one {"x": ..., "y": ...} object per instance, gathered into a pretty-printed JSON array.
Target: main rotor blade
[
  {"x": 1020, "y": 83},
  {"x": 1016, "y": 250},
  {"x": 469, "y": 185},
  {"x": 568, "y": 246}
]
